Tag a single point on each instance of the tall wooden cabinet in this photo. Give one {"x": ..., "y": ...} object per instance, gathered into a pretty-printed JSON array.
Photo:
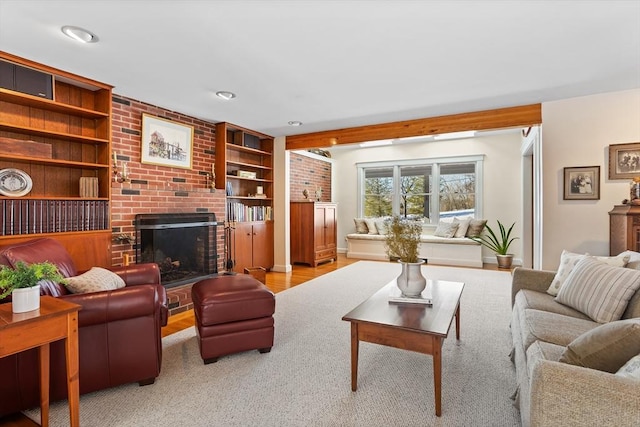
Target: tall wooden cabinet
[
  {"x": 55, "y": 128},
  {"x": 244, "y": 169},
  {"x": 313, "y": 232},
  {"x": 624, "y": 229}
]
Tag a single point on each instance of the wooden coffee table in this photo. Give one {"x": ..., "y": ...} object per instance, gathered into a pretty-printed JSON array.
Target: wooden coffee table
[{"x": 407, "y": 326}]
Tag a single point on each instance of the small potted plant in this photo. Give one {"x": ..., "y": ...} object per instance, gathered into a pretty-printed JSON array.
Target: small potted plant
[
  {"x": 22, "y": 283},
  {"x": 401, "y": 243},
  {"x": 498, "y": 243}
]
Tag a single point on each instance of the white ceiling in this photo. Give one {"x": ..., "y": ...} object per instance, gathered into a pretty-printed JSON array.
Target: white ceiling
[{"x": 335, "y": 64}]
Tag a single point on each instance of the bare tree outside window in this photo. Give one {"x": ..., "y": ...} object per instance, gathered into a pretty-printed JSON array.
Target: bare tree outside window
[
  {"x": 415, "y": 189},
  {"x": 457, "y": 189},
  {"x": 429, "y": 190},
  {"x": 378, "y": 192}
]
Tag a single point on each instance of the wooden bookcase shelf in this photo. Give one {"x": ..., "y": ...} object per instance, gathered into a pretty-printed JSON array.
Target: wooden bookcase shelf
[
  {"x": 242, "y": 154},
  {"x": 49, "y": 105},
  {"x": 74, "y": 120}
]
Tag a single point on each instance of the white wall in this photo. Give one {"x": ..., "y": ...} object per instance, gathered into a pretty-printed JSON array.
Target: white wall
[
  {"x": 577, "y": 132},
  {"x": 502, "y": 177}
]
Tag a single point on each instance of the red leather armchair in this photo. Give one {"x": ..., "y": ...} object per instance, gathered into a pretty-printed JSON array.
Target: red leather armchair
[{"x": 119, "y": 333}]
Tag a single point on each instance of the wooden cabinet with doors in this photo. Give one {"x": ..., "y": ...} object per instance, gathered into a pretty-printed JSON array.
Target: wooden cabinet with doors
[
  {"x": 244, "y": 169},
  {"x": 55, "y": 136},
  {"x": 252, "y": 245},
  {"x": 313, "y": 232},
  {"x": 624, "y": 229}
]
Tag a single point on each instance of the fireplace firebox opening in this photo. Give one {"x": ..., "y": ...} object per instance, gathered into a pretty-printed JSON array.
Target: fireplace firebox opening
[{"x": 182, "y": 244}]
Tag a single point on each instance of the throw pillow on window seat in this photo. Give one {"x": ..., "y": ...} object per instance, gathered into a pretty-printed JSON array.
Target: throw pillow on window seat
[
  {"x": 361, "y": 226},
  {"x": 371, "y": 225},
  {"x": 463, "y": 226},
  {"x": 475, "y": 227},
  {"x": 446, "y": 229}
]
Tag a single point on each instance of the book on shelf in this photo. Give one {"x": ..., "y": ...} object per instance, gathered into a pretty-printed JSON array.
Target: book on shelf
[
  {"x": 52, "y": 216},
  {"x": 426, "y": 298}
]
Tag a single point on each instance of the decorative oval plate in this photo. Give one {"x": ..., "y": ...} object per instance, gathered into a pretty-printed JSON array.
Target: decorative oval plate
[{"x": 14, "y": 183}]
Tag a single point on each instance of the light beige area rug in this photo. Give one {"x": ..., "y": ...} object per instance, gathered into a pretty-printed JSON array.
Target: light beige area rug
[{"x": 305, "y": 379}]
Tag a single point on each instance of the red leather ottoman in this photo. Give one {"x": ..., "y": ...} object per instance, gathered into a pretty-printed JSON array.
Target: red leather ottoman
[{"x": 233, "y": 314}]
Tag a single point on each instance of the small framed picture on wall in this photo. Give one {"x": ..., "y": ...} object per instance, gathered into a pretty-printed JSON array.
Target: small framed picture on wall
[
  {"x": 582, "y": 183},
  {"x": 624, "y": 160},
  {"x": 166, "y": 143}
]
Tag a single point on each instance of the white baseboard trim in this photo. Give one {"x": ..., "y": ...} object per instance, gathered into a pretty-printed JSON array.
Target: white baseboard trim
[{"x": 282, "y": 268}]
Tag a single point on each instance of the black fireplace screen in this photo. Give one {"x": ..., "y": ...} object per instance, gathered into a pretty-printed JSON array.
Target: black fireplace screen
[{"x": 183, "y": 245}]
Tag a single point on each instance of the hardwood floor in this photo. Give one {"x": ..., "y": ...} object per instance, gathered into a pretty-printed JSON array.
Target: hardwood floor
[{"x": 277, "y": 282}]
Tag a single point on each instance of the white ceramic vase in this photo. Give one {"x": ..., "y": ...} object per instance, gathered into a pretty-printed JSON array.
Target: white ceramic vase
[
  {"x": 411, "y": 282},
  {"x": 25, "y": 299}
]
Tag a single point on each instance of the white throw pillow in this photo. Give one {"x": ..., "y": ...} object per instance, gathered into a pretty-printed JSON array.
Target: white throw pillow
[
  {"x": 568, "y": 260},
  {"x": 634, "y": 259},
  {"x": 95, "y": 280},
  {"x": 598, "y": 290},
  {"x": 631, "y": 369},
  {"x": 381, "y": 225},
  {"x": 446, "y": 229},
  {"x": 371, "y": 225},
  {"x": 614, "y": 261},
  {"x": 361, "y": 226},
  {"x": 463, "y": 226}
]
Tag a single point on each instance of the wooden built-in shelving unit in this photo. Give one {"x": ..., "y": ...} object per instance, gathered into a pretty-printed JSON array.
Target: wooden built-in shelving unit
[{"x": 76, "y": 123}]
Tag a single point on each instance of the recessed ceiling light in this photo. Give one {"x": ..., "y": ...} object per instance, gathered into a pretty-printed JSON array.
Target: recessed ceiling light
[
  {"x": 455, "y": 135},
  {"x": 295, "y": 123},
  {"x": 377, "y": 143},
  {"x": 226, "y": 95},
  {"x": 79, "y": 34}
]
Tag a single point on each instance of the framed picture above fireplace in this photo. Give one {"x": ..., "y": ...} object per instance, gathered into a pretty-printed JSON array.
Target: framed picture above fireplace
[{"x": 166, "y": 143}]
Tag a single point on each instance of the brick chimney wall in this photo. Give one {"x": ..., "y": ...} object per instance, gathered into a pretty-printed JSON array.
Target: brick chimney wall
[
  {"x": 309, "y": 173},
  {"x": 160, "y": 189}
]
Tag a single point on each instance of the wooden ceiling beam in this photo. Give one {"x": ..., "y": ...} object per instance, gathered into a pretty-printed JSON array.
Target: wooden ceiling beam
[{"x": 501, "y": 118}]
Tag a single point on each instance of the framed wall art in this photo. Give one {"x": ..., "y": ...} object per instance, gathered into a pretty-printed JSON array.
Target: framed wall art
[
  {"x": 582, "y": 183},
  {"x": 166, "y": 143},
  {"x": 624, "y": 160}
]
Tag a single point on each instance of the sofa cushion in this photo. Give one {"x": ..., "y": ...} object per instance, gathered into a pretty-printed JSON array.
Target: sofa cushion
[
  {"x": 568, "y": 260},
  {"x": 551, "y": 327},
  {"x": 475, "y": 227},
  {"x": 446, "y": 229},
  {"x": 631, "y": 369},
  {"x": 361, "y": 226},
  {"x": 600, "y": 291},
  {"x": 95, "y": 280},
  {"x": 605, "y": 348},
  {"x": 527, "y": 298}
]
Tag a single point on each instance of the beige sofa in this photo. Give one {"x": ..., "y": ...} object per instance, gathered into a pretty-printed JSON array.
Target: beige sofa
[{"x": 554, "y": 393}]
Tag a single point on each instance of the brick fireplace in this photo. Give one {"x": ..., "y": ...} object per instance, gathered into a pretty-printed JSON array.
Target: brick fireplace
[{"x": 155, "y": 189}]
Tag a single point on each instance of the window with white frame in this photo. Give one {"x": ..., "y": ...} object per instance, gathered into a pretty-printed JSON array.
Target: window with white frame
[{"x": 428, "y": 188}]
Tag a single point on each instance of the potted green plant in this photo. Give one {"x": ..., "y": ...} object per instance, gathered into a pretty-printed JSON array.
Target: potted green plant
[
  {"x": 21, "y": 283},
  {"x": 498, "y": 243},
  {"x": 401, "y": 243}
]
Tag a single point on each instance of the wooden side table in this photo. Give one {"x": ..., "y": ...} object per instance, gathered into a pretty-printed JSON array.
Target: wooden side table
[{"x": 55, "y": 320}]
